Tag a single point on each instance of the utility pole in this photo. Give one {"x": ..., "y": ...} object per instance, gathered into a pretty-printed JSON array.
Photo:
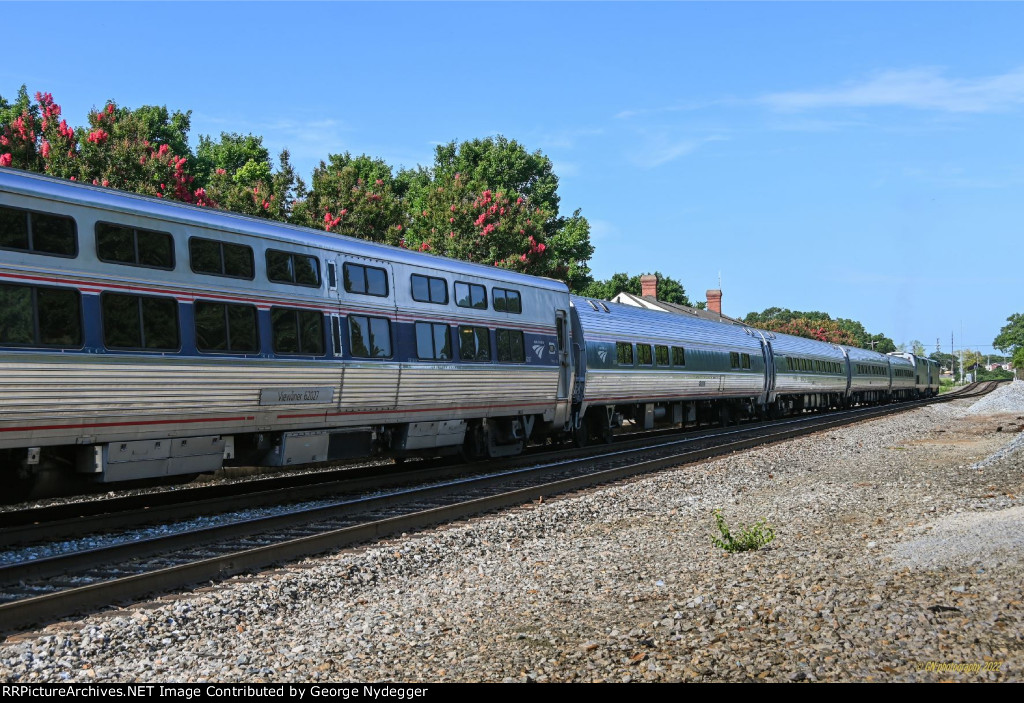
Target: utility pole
[{"x": 962, "y": 376}]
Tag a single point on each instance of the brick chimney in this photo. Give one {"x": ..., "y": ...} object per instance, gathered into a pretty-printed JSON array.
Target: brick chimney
[
  {"x": 649, "y": 286},
  {"x": 715, "y": 301}
]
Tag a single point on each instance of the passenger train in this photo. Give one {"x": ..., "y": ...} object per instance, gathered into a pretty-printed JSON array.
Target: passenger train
[{"x": 141, "y": 338}]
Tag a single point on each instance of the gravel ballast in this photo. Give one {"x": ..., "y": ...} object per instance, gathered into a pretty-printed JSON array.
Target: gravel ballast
[{"x": 896, "y": 558}]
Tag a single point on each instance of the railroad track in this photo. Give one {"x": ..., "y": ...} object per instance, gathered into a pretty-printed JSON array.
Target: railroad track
[
  {"x": 39, "y": 590},
  {"x": 22, "y": 526}
]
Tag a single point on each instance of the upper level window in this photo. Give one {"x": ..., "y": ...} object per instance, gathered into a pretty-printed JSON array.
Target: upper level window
[
  {"x": 678, "y": 356},
  {"x": 40, "y": 316},
  {"x": 507, "y": 300},
  {"x": 369, "y": 337},
  {"x": 470, "y": 295},
  {"x": 289, "y": 267},
  {"x": 624, "y": 353},
  {"x": 119, "y": 244},
  {"x": 661, "y": 355},
  {"x": 428, "y": 289},
  {"x": 140, "y": 322},
  {"x": 745, "y": 360},
  {"x": 296, "y": 331},
  {"x": 365, "y": 280},
  {"x": 433, "y": 341},
  {"x": 36, "y": 232},
  {"x": 221, "y": 258}
]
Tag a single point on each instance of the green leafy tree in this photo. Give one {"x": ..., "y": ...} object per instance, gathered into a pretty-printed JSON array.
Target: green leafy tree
[
  {"x": 821, "y": 330},
  {"x": 355, "y": 196},
  {"x": 852, "y": 331},
  {"x": 528, "y": 233},
  {"x": 238, "y": 175},
  {"x": 669, "y": 289},
  {"x": 1011, "y": 337},
  {"x": 1018, "y": 359},
  {"x": 243, "y": 158},
  {"x": 493, "y": 228},
  {"x": 947, "y": 361}
]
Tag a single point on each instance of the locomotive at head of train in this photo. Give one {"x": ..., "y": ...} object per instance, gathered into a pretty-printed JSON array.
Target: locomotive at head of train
[{"x": 141, "y": 338}]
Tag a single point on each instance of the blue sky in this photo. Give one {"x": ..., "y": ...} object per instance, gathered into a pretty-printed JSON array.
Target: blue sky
[{"x": 864, "y": 159}]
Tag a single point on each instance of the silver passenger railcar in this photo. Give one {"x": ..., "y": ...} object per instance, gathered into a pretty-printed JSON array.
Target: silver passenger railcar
[
  {"x": 648, "y": 365},
  {"x": 904, "y": 377},
  {"x": 144, "y": 338},
  {"x": 808, "y": 373},
  {"x": 869, "y": 376}
]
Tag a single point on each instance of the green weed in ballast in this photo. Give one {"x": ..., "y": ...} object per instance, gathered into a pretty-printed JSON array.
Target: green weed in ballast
[{"x": 751, "y": 537}]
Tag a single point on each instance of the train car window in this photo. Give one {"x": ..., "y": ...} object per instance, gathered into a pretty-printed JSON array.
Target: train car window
[
  {"x": 332, "y": 275},
  {"x": 510, "y": 346},
  {"x": 289, "y": 267},
  {"x": 429, "y": 289},
  {"x": 678, "y": 356},
  {"x": 643, "y": 354},
  {"x": 734, "y": 360},
  {"x": 223, "y": 327},
  {"x": 140, "y": 322},
  {"x": 221, "y": 258},
  {"x": 624, "y": 353},
  {"x": 365, "y": 280},
  {"x": 433, "y": 341},
  {"x": 40, "y": 316},
  {"x": 745, "y": 359},
  {"x": 474, "y": 343},
  {"x": 507, "y": 300},
  {"x": 369, "y": 337},
  {"x": 470, "y": 295},
  {"x": 38, "y": 233},
  {"x": 297, "y": 331},
  {"x": 661, "y": 354},
  {"x": 118, "y": 244}
]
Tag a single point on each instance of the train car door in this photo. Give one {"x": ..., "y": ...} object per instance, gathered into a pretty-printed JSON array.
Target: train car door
[
  {"x": 564, "y": 368},
  {"x": 769, "y": 366},
  {"x": 369, "y": 334},
  {"x": 563, "y": 404}
]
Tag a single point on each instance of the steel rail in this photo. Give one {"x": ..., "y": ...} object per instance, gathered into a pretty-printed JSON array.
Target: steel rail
[{"x": 21, "y": 613}]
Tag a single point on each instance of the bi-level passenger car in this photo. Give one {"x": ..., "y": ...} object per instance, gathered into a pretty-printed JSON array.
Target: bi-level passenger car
[{"x": 143, "y": 338}]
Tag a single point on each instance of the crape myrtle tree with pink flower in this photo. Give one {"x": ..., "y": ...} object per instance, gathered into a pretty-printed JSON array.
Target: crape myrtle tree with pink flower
[
  {"x": 355, "y": 196},
  {"x": 491, "y": 201},
  {"x": 484, "y": 200},
  {"x": 143, "y": 151}
]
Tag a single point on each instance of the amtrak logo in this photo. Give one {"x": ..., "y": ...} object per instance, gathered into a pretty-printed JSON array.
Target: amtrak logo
[
  {"x": 602, "y": 354},
  {"x": 538, "y": 349}
]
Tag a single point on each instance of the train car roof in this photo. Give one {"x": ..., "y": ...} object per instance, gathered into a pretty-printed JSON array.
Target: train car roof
[
  {"x": 791, "y": 344},
  {"x": 631, "y": 323},
  {"x": 58, "y": 189},
  {"x": 858, "y": 354}
]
